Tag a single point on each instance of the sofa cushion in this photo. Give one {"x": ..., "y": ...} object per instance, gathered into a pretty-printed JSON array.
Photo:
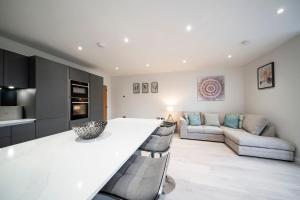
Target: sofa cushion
[
  {"x": 212, "y": 119},
  {"x": 232, "y": 120},
  {"x": 254, "y": 124},
  {"x": 205, "y": 130},
  {"x": 243, "y": 138},
  {"x": 186, "y": 117},
  {"x": 269, "y": 131},
  {"x": 194, "y": 119},
  {"x": 241, "y": 121}
]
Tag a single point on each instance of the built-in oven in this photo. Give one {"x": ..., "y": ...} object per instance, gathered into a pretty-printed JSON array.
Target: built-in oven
[
  {"x": 79, "y": 100},
  {"x": 79, "y": 89}
]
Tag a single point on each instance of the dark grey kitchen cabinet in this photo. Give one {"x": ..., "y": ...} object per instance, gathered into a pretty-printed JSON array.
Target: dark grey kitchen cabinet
[
  {"x": 15, "y": 70},
  {"x": 78, "y": 122},
  {"x": 5, "y": 136},
  {"x": 5, "y": 141},
  {"x": 51, "y": 82},
  {"x": 1, "y": 68},
  {"x": 96, "y": 85},
  {"x": 48, "y": 127},
  {"x": 22, "y": 133},
  {"x": 78, "y": 75}
]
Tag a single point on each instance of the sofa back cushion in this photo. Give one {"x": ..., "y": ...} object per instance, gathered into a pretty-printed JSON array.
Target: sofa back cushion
[
  {"x": 221, "y": 117},
  {"x": 254, "y": 124},
  {"x": 269, "y": 131},
  {"x": 212, "y": 119},
  {"x": 232, "y": 120},
  {"x": 186, "y": 117},
  {"x": 194, "y": 119}
]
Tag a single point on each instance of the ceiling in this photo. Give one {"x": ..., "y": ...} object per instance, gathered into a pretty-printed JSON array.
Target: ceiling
[{"x": 156, "y": 30}]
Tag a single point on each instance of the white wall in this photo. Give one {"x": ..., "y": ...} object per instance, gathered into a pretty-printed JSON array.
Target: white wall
[
  {"x": 29, "y": 51},
  {"x": 178, "y": 89},
  {"x": 281, "y": 105}
]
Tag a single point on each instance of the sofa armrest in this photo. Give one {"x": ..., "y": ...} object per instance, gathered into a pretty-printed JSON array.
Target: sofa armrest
[{"x": 183, "y": 127}]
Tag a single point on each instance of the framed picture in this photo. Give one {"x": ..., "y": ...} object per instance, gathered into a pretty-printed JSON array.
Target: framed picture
[
  {"x": 154, "y": 87},
  {"x": 145, "y": 87},
  {"x": 136, "y": 88},
  {"x": 265, "y": 76},
  {"x": 211, "y": 88}
]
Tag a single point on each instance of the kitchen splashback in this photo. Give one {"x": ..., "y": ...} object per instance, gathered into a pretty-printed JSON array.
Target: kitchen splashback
[{"x": 11, "y": 113}]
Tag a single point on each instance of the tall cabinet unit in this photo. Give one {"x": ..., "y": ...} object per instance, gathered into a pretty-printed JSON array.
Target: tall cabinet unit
[
  {"x": 1, "y": 68},
  {"x": 51, "y": 82},
  {"x": 96, "y": 86}
]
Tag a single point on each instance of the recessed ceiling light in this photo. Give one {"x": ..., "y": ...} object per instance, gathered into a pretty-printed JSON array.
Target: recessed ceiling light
[
  {"x": 117, "y": 68},
  {"x": 147, "y": 65},
  {"x": 245, "y": 42},
  {"x": 188, "y": 28},
  {"x": 79, "y": 48},
  {"x": 229, "y": 56},
  {"x": 126, "y": 39},
  {"x": 183, "y": 61},
  {"x": 280, "y": 11},
  {"x": 100, "y": 45},
  {"x": 11, "y": 87}
]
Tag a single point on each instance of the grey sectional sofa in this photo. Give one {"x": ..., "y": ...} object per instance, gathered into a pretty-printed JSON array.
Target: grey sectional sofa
[{"x": 265, "y": 145}]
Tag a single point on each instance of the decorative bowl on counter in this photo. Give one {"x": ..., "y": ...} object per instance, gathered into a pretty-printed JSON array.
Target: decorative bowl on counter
[{"x": 90, "y": 130}]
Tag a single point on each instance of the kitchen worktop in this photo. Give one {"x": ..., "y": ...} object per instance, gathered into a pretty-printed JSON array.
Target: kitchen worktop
[
  {"x": 63, "y": 166},
  {"x": 15, "y": 122}
]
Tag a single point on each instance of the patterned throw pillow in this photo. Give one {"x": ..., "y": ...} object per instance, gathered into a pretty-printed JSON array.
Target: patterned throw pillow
[
  {"x": 212, "y": 119},
  {"x": 186, "y": 117},
  {"x": 232, "y": 120},
  {"x": 194, "y": 119},
  {"x": 254, "y": 123},
  {"x": 241, "y": 121}
]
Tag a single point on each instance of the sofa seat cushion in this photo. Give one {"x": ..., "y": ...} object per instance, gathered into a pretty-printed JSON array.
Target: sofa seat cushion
[
  {"x": 139, "y": 179},
  {"x": 244, "y": 138},
  {"x": 205, "y": 130}
]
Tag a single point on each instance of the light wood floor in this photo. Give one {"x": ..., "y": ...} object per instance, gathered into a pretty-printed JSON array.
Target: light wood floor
[{"x": 209, "y": 171}]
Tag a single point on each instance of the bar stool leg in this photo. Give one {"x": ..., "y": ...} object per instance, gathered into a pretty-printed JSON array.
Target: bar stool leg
[{"x": 152, "y": 154}]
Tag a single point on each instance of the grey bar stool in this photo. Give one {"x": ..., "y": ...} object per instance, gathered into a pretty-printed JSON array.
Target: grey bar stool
[
  {"x": 164, "y": 131},
  {"x": 159, "y": 142},
  {"x": 140, "y": 178}
]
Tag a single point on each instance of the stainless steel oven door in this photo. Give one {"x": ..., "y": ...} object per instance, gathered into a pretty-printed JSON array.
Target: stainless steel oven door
[
  {"x": 79, "y": 89},
  {"x": 79, "y": 110}
]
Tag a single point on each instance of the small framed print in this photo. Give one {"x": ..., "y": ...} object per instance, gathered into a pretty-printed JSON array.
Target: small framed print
[
  {"x": 154, "y": 87},
  {"x": 136, "y": 88},
  {"x": 265, "y": 76},
  {"x": 145, "y": 87}
]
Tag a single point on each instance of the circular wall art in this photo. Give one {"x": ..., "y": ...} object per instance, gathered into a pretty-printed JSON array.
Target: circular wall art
[{"x": 211, "y": 88}]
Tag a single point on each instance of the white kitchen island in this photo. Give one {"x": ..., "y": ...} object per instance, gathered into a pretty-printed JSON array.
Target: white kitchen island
[{"x": 64, "y": 167}]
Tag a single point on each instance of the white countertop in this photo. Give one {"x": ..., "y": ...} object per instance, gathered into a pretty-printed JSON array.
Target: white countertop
[
  {"x": 15, "y": 122},
  {"x": 62, "y": 166}
]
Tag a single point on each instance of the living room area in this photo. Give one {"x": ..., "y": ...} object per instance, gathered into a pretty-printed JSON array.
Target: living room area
[
  {"x": 198, "y": 99},
  {"x": 248, "y": 148}
]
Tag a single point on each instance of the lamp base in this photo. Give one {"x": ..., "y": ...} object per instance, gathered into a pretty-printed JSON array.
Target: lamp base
[{"x": 170, "y": 118}]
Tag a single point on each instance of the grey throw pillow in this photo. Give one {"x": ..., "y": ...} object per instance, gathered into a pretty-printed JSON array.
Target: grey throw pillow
[
  {"x": 212, "y": 119},
  {"x": 269, "y": 131},
  {"x": 254, "y": 124}
]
